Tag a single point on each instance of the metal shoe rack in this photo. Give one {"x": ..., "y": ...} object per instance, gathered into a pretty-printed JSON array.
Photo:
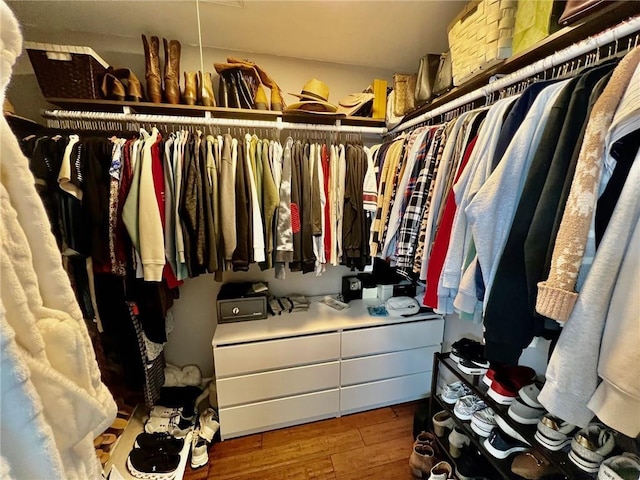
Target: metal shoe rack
[{"x": 503, "y": 467}]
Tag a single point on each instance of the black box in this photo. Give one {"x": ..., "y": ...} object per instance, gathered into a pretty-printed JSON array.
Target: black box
[{"x": 238, "y": 302}]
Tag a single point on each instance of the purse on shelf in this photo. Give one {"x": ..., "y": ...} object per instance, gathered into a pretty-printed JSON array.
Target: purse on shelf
[
  {"x": 444, "y": 77},
  {"x": 576, "y": 9},
  {"x": 427, "y": 71},
  {"x": 404, "y": 86}
]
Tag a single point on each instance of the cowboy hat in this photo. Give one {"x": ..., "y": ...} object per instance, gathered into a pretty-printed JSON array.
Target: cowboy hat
[
  {"x": 314, "y": 98},
  {"x": 353, "y": 102}
]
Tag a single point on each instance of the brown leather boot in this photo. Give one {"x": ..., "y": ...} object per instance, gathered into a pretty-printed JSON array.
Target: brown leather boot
[
  {"x": 133, "y": 86},
  {"x": 205, "y": 90},
  {"x": 152, "y": 68},
  {"x": 172, "y": 71},
  {"x": 189, "y": 95},
  {"x": 421, "y": 460}
]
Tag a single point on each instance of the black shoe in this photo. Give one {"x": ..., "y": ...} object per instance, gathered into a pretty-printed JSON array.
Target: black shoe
[
  {"x": 159, "y": 442},
  {"x": 141, "y": 463},
  {"x": 471, "y": 350},
  {"x": 472, "y": 464},
  {"x": 501, "y": 445},
  {"x": 471, "y": 368}
]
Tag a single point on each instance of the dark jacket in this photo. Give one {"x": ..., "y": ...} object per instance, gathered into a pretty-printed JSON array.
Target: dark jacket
[
  {"x": 242, "y": 254},
  {"x": 296, "y": 207}
]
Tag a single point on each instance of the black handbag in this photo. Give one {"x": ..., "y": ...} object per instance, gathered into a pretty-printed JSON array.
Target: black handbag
[
  {"x": 426, "y": 77},
  {"x": 444, "y": 77}
]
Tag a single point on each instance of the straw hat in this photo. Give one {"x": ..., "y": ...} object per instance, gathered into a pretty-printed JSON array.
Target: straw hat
[
  {"x": 314, "y": 98},
  {"x": 353, "y": 102}
]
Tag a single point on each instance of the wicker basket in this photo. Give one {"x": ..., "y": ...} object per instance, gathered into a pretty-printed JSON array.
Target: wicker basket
[
  {"x": 67, "y": 72},
  {"x": 481, "y": 35}
]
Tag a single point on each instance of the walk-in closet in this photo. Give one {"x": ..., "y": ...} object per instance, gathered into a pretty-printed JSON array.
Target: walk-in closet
[{"x": 308, "y": 239}]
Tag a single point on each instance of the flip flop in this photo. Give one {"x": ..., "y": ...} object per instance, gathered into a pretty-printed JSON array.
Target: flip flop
[
  {"x": 118, "y": 426},
  {"x": 108, "y": 439}
]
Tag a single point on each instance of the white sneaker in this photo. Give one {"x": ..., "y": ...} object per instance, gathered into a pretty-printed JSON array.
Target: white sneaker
[
  {"x": 614, "y": 468},
  {"x": 175, "y": 426},
  {"x": 467, "y": 406},
  {"x": 199, "y": 451},
  {"x": 591, "y": 446},
  {"x": 209, "y": 424},
  {"x": 454, "y": 391},
  {"x": 165, "y": 412},
  {"x": 483, "y": 421}
]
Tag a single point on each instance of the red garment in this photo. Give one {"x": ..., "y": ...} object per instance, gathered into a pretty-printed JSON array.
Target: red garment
[
  {"x": 327, "y": 212},
  {"x": 158, "y": 184},
  {"x": 443, "y": 236}
]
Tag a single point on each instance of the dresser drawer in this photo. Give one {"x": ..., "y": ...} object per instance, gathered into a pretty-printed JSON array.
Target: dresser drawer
[
  {"x": 384, "y": 392},
  {"x": 274, "y": 354},
  {"x": 392, "y": 338},
  {"x": 387, "y": 365},
  {"x": 272, "y": 414},
  {"x": 278, "y": 383}
]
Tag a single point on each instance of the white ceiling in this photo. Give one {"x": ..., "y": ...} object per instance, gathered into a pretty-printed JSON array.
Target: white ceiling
[{"x": 384, "y": 34}]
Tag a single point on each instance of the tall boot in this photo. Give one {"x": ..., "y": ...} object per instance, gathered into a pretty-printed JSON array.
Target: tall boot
[
  {"x": 152, "y": 68},
  {"x": 190, "y": 88},
  {"x": 205, "y": 90},
  {"x": 172, "y": 71}
]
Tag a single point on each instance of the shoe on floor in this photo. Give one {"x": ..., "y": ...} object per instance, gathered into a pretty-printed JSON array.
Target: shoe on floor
[
  {"x": 165, "y": 412},
  {"x": 620, "y": 467},
  {"x": 483, "y": 421},
  {"x": 532, "y": 466},
  {"x": 554, "y": 433},
  {"x": 454, "y": 391},
  {"x": 426, "y": 438},
  {"x": 440, "y": 471},
  {"x": 209, "y": 424},
  {"x": 148, "y": 464},
  {"x": 467, "y": 406},
  {"x": 159, "y": 442},
  {"x": 442, "y": 422},
  {"x": 473, "y": 464},
  {"x": 525, "y": 414},
  {"x": 501, "y": 445},
  {"x": 590, "y": 446},
  {"x": 176, "y": 426},
  {"x": 421, "y": 460},
  {"x": 199, "y": 451},
  {"x": 457, "y": 440}
]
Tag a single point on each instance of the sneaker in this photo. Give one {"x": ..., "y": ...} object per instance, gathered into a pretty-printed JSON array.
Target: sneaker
[
  {"x": 470, "y": 368},
  {"x": 532, "y": 465},
  {"x": 473, "y": 464},
  {"x": 483, "y": 421},
  {"x": 554, "y": 433},
  {"x": 176, "y": 426},
  {"x": 454, "y": 391},
  {"x": 165, "y": 412},
  {"x": 199, "y": 451},
  {"x": 525, "y": 414},
  {"x": 590, "y": 446},
  {"x": 209, "y": 424},
  {"x": 501, "y": 446},
  {"x": 467, "y": 406},
  {"x": 529, "y": 395},
  {"x": 457, "y": 440},
  {"x": 441, "y": 471},
  {"x": 506, "y": 428},
  {"x": 504, "y": 369},
  {"x": 421, "y": 460},
  {"x": 620, "y": 467},
  {"x": 470, "y": 350},
  {"x": 159, "y": 442},
  {"x": 442, "y": 422},
  {"x": 149, "y": 464},
  {"x": 506, "y": 383}
]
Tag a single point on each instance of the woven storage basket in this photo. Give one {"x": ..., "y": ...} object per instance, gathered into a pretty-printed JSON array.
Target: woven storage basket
[
  {"x": 480, "y": 35},
  {"x": 64, "y": 71}
]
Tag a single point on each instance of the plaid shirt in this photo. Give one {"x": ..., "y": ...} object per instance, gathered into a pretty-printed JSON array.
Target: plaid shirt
[{"x": 412, "y": 218}]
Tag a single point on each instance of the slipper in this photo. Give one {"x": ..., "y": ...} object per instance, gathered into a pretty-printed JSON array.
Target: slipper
[
  {"x": 104, "y": 458},
  {"x": 97, "y": 441},
  {"x": 118, "y": 426},
  {"x": 107, "y": 441}
]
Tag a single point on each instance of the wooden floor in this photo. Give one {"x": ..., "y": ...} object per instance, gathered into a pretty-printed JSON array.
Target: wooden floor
[{"x": 369, "y": 445}]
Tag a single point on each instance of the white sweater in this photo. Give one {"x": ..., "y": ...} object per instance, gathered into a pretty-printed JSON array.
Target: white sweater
[{"x": 53, "y": 401}]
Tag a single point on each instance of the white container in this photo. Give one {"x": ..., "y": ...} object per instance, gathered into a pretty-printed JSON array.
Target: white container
[{"x": 385, "y": 292}]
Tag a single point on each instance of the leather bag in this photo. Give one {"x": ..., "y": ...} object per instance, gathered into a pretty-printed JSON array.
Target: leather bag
[
  {"x": 427, "y": 71},
  {"x": 576, "y": 9},
  {"x": 444, "y": 77}
]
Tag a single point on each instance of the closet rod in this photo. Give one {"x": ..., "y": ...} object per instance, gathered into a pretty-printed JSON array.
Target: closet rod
[
  {"x": 576, "y": 50},
  {"x": 56, "y": 117}
]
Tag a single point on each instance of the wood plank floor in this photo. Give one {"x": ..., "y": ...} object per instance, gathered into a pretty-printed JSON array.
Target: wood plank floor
[{"x": 363, "y": 446}]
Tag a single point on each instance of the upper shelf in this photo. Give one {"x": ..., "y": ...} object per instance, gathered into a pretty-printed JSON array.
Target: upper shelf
[
  {"x": 216, "y": 112},
  {"x": 604, "y": 18}
]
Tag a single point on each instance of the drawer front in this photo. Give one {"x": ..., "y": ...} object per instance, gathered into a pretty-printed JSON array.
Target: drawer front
[
  {"x": 258, "y": 417},
  {"x": 387, "y": 365},
  {"x": 278, "y": 383},
  {"x": 274, "y": 354},
  {"x": 385, "y": 392},
  {"x": 391, "y": 338}
]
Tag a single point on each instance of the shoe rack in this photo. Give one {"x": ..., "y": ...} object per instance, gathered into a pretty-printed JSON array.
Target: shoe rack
[{"x": 559, "y": 459}]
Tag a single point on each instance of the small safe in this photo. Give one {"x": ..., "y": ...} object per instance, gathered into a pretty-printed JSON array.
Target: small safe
[{"x": 239, "y": 302}]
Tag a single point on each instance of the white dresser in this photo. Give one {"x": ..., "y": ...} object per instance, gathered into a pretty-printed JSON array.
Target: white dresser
[{"x": 301, "y": 367}]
